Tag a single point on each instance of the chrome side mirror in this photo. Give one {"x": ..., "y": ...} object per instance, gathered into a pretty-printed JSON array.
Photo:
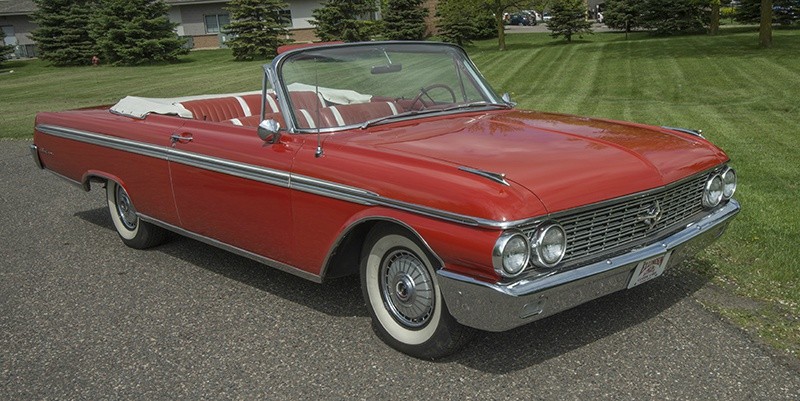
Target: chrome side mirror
[
  {"x": 269, "y": 131},
  {"x": 507, "y": 98}
]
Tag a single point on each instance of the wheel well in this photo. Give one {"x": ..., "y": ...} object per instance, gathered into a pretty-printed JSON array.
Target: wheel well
[
  {"x": 88, "y": 180},
  {"x": 346, "y": 257}
]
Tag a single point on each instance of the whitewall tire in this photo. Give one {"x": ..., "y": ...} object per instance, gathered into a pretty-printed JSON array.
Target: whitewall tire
[
  {"x": 133, "y": 232},
  {"x": 403, "y": 297}
]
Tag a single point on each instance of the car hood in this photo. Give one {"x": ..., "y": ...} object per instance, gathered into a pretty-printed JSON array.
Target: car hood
[{"x": 565, "y": 161}]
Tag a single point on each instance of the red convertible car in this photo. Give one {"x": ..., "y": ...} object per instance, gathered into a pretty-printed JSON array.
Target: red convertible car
[{"x": 398, "y": 162}]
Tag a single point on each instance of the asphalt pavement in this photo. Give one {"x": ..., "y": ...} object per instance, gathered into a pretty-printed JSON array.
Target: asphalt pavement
[{"x": 84, "y": 317}]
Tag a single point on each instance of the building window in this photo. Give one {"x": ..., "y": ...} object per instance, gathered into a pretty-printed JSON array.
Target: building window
[
  {"x": 286, "y": 15},
  {"x": 216, "y": 23},
  {"x": 9, "y": 38}
]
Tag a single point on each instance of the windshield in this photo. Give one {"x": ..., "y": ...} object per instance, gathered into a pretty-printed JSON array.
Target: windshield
[{"x": 354, "y": 85}]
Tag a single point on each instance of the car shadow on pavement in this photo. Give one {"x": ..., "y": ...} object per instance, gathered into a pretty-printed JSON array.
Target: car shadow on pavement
[
  {"x": 559, "y": 334},
  {"x": 495, "y": 353},
  {"x": 335, "y": 297}
]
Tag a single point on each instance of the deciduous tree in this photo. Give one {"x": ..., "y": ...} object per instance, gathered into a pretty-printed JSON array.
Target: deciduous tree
[
  {"x": 765, "y": 29},
  {"x": 713, "y": 27},
  {"x": 498, "y": 8},
  {"x": 257, "y": 28}
]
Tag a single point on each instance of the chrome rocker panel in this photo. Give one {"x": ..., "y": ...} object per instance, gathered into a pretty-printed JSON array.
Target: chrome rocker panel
[{"x": 503, "y": 306}]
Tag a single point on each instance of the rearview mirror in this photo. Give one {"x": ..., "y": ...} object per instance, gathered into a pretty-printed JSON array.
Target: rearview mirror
[
  {"x": 384, "y": 69},
  {"x": 269, "y": 131}
]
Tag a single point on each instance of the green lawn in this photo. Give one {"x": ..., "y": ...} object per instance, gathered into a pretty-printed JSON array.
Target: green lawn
[{"x": 746, "y": 100}]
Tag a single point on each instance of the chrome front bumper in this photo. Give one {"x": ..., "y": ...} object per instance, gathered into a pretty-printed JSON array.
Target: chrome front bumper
[{"x": 503, "y": 306}]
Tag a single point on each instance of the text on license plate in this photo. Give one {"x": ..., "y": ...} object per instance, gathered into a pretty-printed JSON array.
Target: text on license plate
[{"x": 648, "y": 269}]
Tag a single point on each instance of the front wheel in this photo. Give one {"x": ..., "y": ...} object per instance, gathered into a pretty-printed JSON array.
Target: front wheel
[
  {"x": 133, "y": 232},
  {"x": 403, "y": 297}
]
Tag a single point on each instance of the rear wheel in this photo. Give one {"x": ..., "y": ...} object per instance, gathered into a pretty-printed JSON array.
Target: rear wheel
[
  {"x": 133, "y": 232},
  {"x": 403, "y": 297}
]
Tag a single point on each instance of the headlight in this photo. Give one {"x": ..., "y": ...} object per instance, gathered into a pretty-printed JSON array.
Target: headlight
[
  {"x": 511, "y": 253},
  {"x": 712, "y": 195},
  {"x": 549, "y": 244},
  {"x": 729, "y": 183}
]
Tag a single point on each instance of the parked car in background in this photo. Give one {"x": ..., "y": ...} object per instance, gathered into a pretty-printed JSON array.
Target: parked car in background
[
  {"x": 535, "y": 16},
  {"x": 521, "y": 19},
  {"x": 398, "y": 163}
]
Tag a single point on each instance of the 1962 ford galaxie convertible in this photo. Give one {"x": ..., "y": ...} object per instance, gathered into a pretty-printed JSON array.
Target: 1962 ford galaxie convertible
[{"x": 397, "y": 162}]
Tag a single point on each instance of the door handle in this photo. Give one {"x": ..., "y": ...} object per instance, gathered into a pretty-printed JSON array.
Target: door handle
[{"x": 182, "y": 138}]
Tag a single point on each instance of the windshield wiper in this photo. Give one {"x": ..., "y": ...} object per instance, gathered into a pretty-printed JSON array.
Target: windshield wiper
[
  {"x": 477, "y": 105},
  {"x": 398, "y": 115},
  {"x": 409, "y": 113}
]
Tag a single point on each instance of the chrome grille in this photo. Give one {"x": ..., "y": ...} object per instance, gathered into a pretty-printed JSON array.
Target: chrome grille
[{"x": 611, "y": 225}]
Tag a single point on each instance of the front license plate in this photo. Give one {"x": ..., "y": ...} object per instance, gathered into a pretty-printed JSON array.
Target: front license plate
[{"x": 649, "y": 269}]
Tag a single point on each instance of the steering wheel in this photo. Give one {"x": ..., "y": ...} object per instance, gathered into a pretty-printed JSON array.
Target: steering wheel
[{"x": 424, "y": 92}]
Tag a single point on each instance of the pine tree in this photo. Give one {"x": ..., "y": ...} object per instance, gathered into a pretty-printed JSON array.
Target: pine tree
[
  {"x": 405, "y": 20},
  {"x": 784, "y": 12},
  {"x": 456, "y": 21},
  {"x": 339, "y": 20},
  {"x": 666, "y": 17},
  {"x": 5, "y": 50},
  {"x": 61, "y": 36},
  {"x": 569, "y": 19},
  {"x": 622, "y": 14},
  {"x": 132, "y": 32},
  {"x": 257, "y": 28}
]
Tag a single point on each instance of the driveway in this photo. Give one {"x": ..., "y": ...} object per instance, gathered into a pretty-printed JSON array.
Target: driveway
[
  {"x": 542, "y": 27},
  {"x": 84, "y": 317}
]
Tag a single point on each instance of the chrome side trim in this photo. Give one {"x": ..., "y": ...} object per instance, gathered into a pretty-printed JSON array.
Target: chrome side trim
[
  {"x": 230, "y": 248},
  {"x": 496, "y": 177},
  {"x": 332, "y": 190},
  {"x": 501, "y": 306},
  {"x": 309, "y": 184},
  {"x": 242, "y": 170},
  {"x": 261, "y": 174},
  {"x": 107, "y": 141}
]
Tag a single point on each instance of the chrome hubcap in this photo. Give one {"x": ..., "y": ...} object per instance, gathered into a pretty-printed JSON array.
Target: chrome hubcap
[
  {"x": 407, "y": 288},
  {"x": 125, "y": 210}
]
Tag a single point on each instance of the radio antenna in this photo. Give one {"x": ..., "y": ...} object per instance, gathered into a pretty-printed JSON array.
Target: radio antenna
[{"x": 319, "y": 151}]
